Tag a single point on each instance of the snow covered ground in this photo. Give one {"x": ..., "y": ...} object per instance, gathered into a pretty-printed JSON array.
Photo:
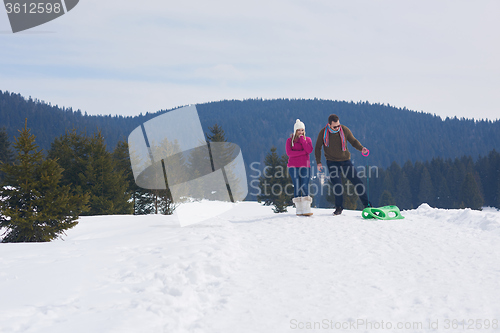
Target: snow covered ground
[{"x": 250, "y": 270}]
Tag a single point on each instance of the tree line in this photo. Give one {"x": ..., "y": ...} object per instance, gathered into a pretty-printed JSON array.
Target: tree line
[
  {"x": 391, "y": 133},
  {"x": 42, "y": 195},
  {"x": 441, "y": 183}
]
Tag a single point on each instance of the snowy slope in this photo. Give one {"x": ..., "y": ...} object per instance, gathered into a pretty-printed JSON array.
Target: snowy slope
[{"x": 250, "y": 270}]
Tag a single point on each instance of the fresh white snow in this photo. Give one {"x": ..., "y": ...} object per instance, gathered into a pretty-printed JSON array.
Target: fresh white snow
[{"x": 251, "y": 270}]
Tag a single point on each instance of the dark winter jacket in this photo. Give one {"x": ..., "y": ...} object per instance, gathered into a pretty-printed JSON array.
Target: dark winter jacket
[{"x": 334, "y": 150}]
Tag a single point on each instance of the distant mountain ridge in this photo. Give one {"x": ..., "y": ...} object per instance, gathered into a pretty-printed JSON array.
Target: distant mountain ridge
[{"x": 391, "y": 134}]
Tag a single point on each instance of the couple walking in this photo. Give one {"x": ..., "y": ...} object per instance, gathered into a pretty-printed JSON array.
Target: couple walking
[{"x": 333, "y": 139}]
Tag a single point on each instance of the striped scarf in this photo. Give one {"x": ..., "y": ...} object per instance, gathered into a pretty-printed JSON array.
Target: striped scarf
[{"x": 326, "y": 136}]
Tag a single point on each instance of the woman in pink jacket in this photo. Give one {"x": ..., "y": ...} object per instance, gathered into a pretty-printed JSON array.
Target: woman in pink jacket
[{"x": 298, "y": 148}]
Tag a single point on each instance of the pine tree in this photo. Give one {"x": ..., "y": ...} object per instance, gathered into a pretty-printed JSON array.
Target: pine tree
[
  {"x": 123, "y": 164},
  {"x": 217, "y": 134},
  {"x": 6, "y": 155},
  {"x": 275, "y": 183},
  {"x": 71, "y": 151},
  {"x": 413, "y": 171},
  {"x": 89, "y": 168},
  {"x": 455, "y": 180},
  {"x": 489, "y": 172},
  {"x": 426, "y": 192},
  {"x": 470, "y": 196},
  {"x": 388, "y": 183},
  {"x": 175, "y": 168},
  {"x": 34, "y": 206},
  {"x": 497, "y": 203},
  {"x": 143, "y": 200},
  {"x": 397, "y": 184},
  {"x": 386, "y": 199},
  {"x": 443, "y": 196},
  {"x": 222, "y": 154},
  {"x": 403, "y": 192},
  {"x": 163, "y": 202},
  {"x": 5, "y": 152},
  {"x": 201, "y": 165},
  {"x": 106, "y": 184}
]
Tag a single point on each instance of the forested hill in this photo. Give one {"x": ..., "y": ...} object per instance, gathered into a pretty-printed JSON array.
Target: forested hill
[
  {"x": 391, "y": 134},
  {"x": 47, "y": 121}
]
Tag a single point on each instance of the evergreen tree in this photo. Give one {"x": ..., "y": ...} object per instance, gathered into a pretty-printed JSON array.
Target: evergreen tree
[
  {"x": 71, "y": 150},
  {"x": 455, "y": 180},
  {"x": 5, "y": 152},
  {"x": 388, "y": 183},
  {"x": 163, "y": 202},
  {"x": 497, "y": 203},
  {"x": 488, "y": 169},
  {"x": 175, "y": 172},
  {"x": 143, "y": 200},
  {"x": 414, "y": 171},
  {"x": 89, "y": 168},
  {"x": 443, "y": 195},
  {"x": 403, "y": 192},
  {"x": 34, "y": 206},
  {"x": 122, "y": 164},
  {"x": 275, "y": 183},
  {"x": 494, "y": 178},
  {"x": 199, "y": 165},
  {"x": 375, "y": 186},
  {"x": 386, "y": 199},
  {"x": 224, "y": 153},
  {"x": 217, "y": 134},
  {"x": 397, "y": 184},
  {"x": 470, "y": 196},
  {"x": 106, "y": 184},
  {"x": 425, "y": 191}
]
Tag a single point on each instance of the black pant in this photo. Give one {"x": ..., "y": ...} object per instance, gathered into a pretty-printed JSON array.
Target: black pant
[{"x": 346, "y": 169}]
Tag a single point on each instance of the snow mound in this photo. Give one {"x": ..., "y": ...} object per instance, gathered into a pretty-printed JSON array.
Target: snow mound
[{"x": 488, "y": 220}]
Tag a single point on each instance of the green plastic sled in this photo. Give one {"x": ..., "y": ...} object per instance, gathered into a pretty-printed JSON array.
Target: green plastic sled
[{"x": 382, "y": 213}]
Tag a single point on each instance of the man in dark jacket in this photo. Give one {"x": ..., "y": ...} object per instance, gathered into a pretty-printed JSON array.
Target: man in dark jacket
[{"x": 334, "y": 138}]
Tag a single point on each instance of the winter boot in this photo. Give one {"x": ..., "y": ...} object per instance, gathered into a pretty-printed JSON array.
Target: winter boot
[
  {"x": 338, "y": 211},
  {"x": 298, "y": 205},
  {"x": 306, "y": 206}
]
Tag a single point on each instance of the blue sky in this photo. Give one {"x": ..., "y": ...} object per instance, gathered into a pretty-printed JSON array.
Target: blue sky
[{"x": 127, "y": 57}]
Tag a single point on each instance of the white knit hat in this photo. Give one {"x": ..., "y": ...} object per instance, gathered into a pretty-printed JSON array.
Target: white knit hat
[{"x": 298, "y": 124}]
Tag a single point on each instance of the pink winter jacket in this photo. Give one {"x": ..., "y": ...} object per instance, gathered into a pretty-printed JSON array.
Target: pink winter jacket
[{"x": 298, "y": 155}]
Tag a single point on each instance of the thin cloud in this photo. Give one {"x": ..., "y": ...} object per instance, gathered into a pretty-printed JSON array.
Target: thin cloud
[{"x": 439, "y": 57}]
